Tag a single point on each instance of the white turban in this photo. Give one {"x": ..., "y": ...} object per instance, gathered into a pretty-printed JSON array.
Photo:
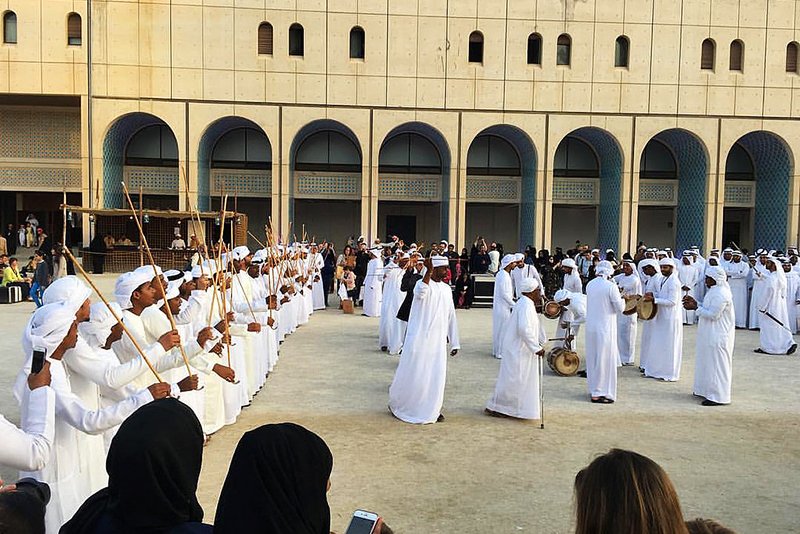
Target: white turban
[
  {"x": 648, "y": 263},
  {"x": 519, "y": 256},
  {"x": 127, "y": 284},
  {"x": 174, "y": 288},
  {"x": 561, "y": 294},
  {"x": 49, "y": 326},
  {"x": 173, "y": 274},
  {"x": 240, "y": 253},
  {"x": 568, "y": 262},
  {"x": 376, "y": 251},
  {"x": 68, "y": 289},
  {"x": 528, "y": 285},
  {"x": 508, "y": 258},
  {"x": 148, "y": 269},
  {"x": 717, "y": 273},
  {"x": 97, "y": 329},
  {"x": 439, "y": 261},
  {"x": 666, "y": 261},
  {"x": 604, "y": 268},
  {"x": 260, "y": 256}
]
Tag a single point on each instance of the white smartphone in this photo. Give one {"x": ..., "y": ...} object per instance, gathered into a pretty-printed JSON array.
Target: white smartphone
[{"x": 363, "y": 522}]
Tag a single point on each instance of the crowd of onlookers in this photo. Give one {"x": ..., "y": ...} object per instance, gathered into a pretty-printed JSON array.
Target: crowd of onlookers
[{"x": 278, "y": 481}]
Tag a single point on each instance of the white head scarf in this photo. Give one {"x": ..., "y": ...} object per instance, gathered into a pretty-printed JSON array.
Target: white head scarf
[
  {"x": 97, "y": 329},
  {"x": 568, "y": 262},
  {"x": 68, "y": 289},
  {"x": 439, "y": 261},
  {"x": 560, "y": 295},
  {"x": 604, "y": 269},
  {"x": 718, "y": 274},
  {"x": 49, "y": 325},
  {"x": 648, "y": 262},
  {"x": 240, "y": 253},
  {"x": 528, "y": 285},
  {"x": 519, "y": 256},
  {"x": 508, "y": 258},
  {"x": 127, "y": 284}
]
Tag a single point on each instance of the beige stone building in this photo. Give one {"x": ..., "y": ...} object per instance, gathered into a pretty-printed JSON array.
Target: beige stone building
[{"x": 527, "y": 121}]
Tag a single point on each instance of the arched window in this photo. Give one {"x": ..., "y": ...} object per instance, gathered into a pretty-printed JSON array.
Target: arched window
[
  {"x": 534, "y": 49},
  {"x": 152, "y": 146},
  {"x": 737, "y": 55},
  {"x": 74, "y": 30},
  {"x": 265, "y": 39},
  {"x": 409, "y": 153},
  {"x": 564, "y": 50},
  {"x": 242, "y": 148},
  {"x": 622, "y": 52},
  {"x": 491, "y": 155},
  {"x": 739, "y": 165},
  {"x": 791, "y": 57},
  {"x": 575, "y": 159},
  {"x": 10, "y": 27},
  {"x": 707, "y": 54},
  {"x": 476, "y": 47},
  {"x": 357, "y": 43},
  {"x": 658, "y": 162},
  {"x": 296, "y": 44}
]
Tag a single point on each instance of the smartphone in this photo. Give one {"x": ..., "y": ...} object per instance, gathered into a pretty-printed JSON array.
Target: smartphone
[
  {"x": 363, "y": 522},
  {"x": 39, "y": 355}
]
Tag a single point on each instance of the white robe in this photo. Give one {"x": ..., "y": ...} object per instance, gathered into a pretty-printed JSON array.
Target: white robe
[
  {"x": 715, "y": 337},
  {"x": 315, "y": 275},
  {"x": 520, "y": 273},
  {"x": 573, "y": 284},
  {"x": 373, "y": 288},
  {"x": 417, "y": 391},
  {"x": 647, "y": 349},
  {"x": 28, "y": 448},
  {"x": 689, "y": 276},
  {"x": 69, "y": 483},
  {"x": 502, "y": 304},
  {"x": 627, "y": 324},
  {"x": 667, "y": 335},
  {"x": 516, "y": 393},
  {"x": 392, "y": 330},
  {"x": 792, "y": 287},
  {"x": 603, "y": 305},
  {"x": 737, "y": 282},
  {"x": 775, "y": 339},
  {"x": 759, "y": 276}
]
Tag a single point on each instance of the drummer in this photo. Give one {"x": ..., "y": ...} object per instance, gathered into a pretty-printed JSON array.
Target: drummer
[
  {"x": 666, "y": 341},
  {"x": 631, "y": 287},
  {"x": 651, "y": 280},
  {"x": 573, "y": 284},
  {"x": 575, "y": 304}
]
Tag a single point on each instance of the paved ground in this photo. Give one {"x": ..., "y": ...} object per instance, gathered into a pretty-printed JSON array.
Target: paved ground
[{"x": 474, "y": 474}]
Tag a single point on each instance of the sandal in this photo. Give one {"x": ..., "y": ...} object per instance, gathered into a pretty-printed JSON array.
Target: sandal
[{"x": 602, "y": 400}]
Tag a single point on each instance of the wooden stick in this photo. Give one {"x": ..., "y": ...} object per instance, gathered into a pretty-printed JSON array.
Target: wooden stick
[
  {"x": 141, "y": 216},
  {"x": 256, "y": 239},
  {"x": 119, "y": 320},
  {"x": 155, "y": 274}
]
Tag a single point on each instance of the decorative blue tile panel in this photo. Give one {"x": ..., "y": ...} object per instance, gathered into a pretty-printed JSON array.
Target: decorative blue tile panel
[
  {"x": 39, "y": 179},
  {"x": 410, "y": 188},
  {"x": 773, "y": 167},
  {"x": 493, "y": 189},
  {"x": 327, "y": 186},
  {"x": 40, "y": 134},
  {"x": 610, "y": 159},
  {"x": 692, "y": 163}
]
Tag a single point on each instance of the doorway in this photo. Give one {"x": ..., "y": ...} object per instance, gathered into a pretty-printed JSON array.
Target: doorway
[{"x": 403, "y": 226}]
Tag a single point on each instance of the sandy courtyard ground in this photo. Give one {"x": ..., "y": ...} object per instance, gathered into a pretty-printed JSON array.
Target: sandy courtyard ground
[{"x": 739, "y": 464}]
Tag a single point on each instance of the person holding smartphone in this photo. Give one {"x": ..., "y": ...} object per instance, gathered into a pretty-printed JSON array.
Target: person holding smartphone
[{"x": 28, "y": 448}]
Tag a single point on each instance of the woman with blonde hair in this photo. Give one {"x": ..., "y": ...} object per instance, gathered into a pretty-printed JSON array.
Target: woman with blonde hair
[{"x": 623, "y": 492}]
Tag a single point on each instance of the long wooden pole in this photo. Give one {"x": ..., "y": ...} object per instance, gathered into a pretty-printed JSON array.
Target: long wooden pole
[
  {"x": 141, "y": 217},
  {"x": 119, "y": 320},
  {"x": 155, "y": 273}
]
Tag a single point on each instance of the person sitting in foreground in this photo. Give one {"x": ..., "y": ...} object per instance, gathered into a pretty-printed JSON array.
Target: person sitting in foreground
[
  {"x": 277, "y": 483},
  {"x": 153, "y": 467},
  {"x": 625, "y": 492},
  {"x": 22, "y": 507}
]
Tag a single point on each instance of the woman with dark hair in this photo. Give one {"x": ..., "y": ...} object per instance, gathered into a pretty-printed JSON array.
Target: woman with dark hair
[
  {"x": 153, "y": 467},
  {"x": 623, "y": 492},
  {"x": 277, "y": 483}
]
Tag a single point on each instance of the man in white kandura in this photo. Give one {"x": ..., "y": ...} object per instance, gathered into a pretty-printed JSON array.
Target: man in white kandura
[
  {"x": 792, "y": 289},
  {"x": 737, "y": 271},
  {"x": 759, "y": 275},
  {"x": 628, "y": 281},
  {"x": 715, "y": 335},
  {"x": 502, "y": 302},
  {"x": 688, "y": 275},
  {"x": 373, "y": 284},
  {"x": 667, "y": 334},
  {"x": 417, "y": 391},
  {"x": 573, "y": 284},
  {"x": 775, "y": 337},
  {"x": 517, "y": 391},
  {"x": 603, "y": 305}
]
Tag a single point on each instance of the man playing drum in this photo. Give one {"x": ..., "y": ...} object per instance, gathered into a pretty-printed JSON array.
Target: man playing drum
[{"x": 667, "y": 335}]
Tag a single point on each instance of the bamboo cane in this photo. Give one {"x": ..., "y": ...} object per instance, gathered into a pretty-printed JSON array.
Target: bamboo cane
[
  {"x": 119, "y": 320},
  {"x": 155, "y": 274}
]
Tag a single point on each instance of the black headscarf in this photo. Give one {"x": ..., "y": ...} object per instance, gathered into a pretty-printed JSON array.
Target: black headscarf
[
  {"x": 153, "y": 466},
  {"x": 277, "y": 483}
]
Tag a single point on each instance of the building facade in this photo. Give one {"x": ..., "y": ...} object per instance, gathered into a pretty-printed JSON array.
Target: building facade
[{"x": 540, "y": 122}]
